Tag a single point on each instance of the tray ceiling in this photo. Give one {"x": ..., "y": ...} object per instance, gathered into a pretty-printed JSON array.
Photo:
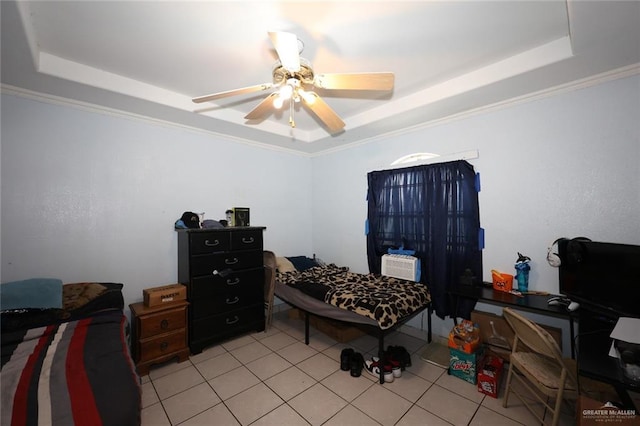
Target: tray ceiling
[{"x": 449, "y": 58}]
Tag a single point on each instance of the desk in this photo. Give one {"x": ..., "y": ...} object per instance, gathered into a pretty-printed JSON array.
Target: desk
[
  {"x": 529, "y": 302},
  {"x": 593, "y": 354}
]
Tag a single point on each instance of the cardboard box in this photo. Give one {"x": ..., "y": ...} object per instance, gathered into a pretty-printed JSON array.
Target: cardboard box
[
  {"x": 166, "y": 294},
  {"x": 339, "y": 331},
  {"x": 465, "y": 337},
  {"x": 464, "y": 365},
  {"x": 503, "y": 329},
  {"x": 489, "y": 373}
]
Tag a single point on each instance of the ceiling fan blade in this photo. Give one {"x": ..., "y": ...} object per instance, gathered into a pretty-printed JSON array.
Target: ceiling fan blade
[
  {"x": 242, "y": 91},
  {"x": 286, "y": 45},
  {"x": 262, "y": 109},
  {"x": 355, "y": 81},
  {"x": 324, "y": 112}
]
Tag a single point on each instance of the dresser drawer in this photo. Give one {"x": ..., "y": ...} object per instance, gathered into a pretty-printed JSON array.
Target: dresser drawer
[
  {"x": 205, "y": 264},
  {"x": 162, "y": 322},
  {"x": 227, "y": 301},
  {"x": 246, "y": 240},
  {"x": 163, "y": 344},
  {"x": 226, "y": 323},
  {"x": 210, "y": 242},
  {"x": 209, "y": 286}
]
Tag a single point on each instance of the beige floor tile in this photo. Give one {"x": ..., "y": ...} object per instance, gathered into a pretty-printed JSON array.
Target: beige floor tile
[
  {"x": 177, "y": 382},
  {"x": 154, "y": 415},
  {"x": 159, "y": 370},
  {"x": 426, "y": 370},
  {"x": 268, "y": 366},
  {"x": 382, "y": 405},
  {"x": 418, "y": 416},
  {"x": 278, "y": 341},
  {"x": 190, "y": 403},
  {"x": 218, "y": 415},
  {"x": 208, "y": 353},
  {"x": 347, "y": 387},
  {"x": 319, "y": 366},
  {"x": 250, "y": 352},
  {"x": 350, "y": 415},
  {"x": 290, "y": 383},
  {"x": 233, "y": 382},
  {"x": 283, "y": 415},
  {"x": 149, "y": 395},
  {"x": 409, "y": 386},
  {"x": 320, "y": 342},
  {"x": 259, "y": 335},
  {"x": 317, "y": 404},
  {"x": 297, "y": 352},
  {"x": 484, "y": 416},
  {"x": 218, "y": 365},
  {"x": 461, "y": 387},
  {"x": 448, "y": 405},
  {"x": 253, "y": 403},
  {"x": 238, "y": 342}
]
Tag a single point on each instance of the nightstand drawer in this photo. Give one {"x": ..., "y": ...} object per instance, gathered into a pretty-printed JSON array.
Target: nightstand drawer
[
  {"x": 162, "y": 345},
  {"x": 162, "y": 322}
]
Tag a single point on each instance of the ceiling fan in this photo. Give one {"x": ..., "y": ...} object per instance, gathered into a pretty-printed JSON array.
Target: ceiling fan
[{"x": 293, "y": 79}]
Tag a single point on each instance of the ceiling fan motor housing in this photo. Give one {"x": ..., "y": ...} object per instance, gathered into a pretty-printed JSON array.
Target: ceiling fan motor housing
[{"x": 304, "y": 74}]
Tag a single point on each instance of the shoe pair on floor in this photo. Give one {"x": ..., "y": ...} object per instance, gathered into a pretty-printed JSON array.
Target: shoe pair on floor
[
  {"x": 395, "y": 359},
  {"x": 351, "y": 361}
]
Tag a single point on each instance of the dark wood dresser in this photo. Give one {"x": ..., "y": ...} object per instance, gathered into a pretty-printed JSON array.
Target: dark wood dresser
[{"x": 224, "y": 274}]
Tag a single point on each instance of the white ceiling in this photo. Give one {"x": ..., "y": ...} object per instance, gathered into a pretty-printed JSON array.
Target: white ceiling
[{"x": 150, "y": 58}]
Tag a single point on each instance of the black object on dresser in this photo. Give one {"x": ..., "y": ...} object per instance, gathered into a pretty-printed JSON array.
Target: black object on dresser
[{"x": 224, "y": 274}]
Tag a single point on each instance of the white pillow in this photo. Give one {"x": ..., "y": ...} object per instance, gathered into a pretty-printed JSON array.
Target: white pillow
[{"x": 284, "y": 265}]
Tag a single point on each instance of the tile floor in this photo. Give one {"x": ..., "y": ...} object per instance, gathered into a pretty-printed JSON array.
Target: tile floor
[{"x": 273, "y": 378}]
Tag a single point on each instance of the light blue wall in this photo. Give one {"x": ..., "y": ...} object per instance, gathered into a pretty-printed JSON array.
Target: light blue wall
[
  {"x": 94, "y": 197},
  {"x": 567, "y": 165},
  {"x": 89, "y": 196}
]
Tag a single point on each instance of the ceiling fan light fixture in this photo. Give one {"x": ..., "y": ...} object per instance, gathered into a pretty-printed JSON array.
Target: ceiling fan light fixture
[{"x": 307, "y": 96}]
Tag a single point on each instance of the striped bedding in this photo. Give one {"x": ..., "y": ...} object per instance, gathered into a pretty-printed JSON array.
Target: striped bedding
[{"x": 74, "y": 373}]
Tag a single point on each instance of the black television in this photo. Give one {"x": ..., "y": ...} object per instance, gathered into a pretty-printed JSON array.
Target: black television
[{"x": 601, "y": 275}]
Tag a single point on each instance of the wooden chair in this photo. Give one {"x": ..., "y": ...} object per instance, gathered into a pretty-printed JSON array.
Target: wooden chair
[
  {"x": 269, "y": 259},
  {"x": 538, "y": 359}
]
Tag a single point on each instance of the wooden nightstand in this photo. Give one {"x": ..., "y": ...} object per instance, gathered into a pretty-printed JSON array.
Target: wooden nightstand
[{"x": 159, "y": 334}]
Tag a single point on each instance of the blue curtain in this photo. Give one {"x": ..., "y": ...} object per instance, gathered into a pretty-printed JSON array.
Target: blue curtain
[{"x": 432, "y": 209}]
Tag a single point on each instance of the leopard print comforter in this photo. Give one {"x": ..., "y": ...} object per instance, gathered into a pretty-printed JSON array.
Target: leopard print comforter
[{"x": 384, "y": 299}]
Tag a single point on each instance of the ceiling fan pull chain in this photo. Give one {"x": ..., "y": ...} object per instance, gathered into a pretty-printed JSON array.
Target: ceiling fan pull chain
[{"x": 291, "y": 112}]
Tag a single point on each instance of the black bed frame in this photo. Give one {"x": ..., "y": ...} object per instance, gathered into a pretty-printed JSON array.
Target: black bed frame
[{"x": 381, "y": 333}]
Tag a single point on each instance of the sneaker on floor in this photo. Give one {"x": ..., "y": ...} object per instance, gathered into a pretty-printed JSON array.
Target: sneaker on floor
[
  {"x": 390, "y": 364},
  {"x": 373, "y": 367},
  {"x": 400, "y": 354}
]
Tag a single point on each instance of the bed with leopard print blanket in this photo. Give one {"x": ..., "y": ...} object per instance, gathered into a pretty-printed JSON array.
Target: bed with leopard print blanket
[{"x": 384, "y": 299}]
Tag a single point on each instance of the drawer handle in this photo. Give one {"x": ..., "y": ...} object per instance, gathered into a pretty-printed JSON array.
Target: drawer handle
[
  {"x": 248, "y": 240},
  {"x": 164, "y": 324},
  {"x": 209, "y": 243},
  {"x": 232, "y": 301},
  {"x": 231, "y": 261},
  {"x": 234, "y": 281},
  {"x": 233, "y": 321},
  {"x": 164, "y": 346}
]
